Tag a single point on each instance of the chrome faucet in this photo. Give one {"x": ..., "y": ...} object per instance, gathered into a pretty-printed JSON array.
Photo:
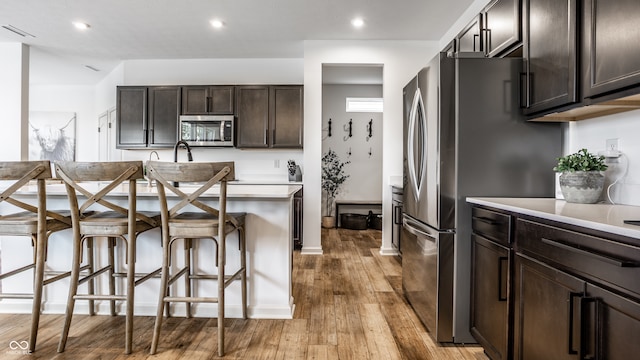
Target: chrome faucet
[
  {"x": 154, "y": 152},
  {"x": 175, "y": 154}
]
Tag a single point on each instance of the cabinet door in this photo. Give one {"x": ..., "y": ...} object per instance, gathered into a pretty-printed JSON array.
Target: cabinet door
[
  {"x": 208, "y": 100},
  {"x": 194, "y": 100},
  {"x": 252, "y": 111},
  {"x": 221, "y": 100},
  {"x": 613, "y": 327},
  {"x": 502, "y": 26},
  {"x": 164, "y": 111},
  {"x": 131, "y": 118},
  {"x": 550, "y": 47},
  {"x": 469, "y": 39},
  {"x": 546, "y": 315},
  {"x": 611, "y": 35},
  {"x": 286, "y": 114},
  {"x": 490, "y": 296}
]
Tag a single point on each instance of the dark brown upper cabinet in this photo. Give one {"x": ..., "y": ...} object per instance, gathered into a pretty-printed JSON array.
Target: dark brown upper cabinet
[
  {"x": 470, "y": 39},
  {"x": 147, "y": 116},
  {"x": 611, "y": 57},
  {"x": 269, "y": 116},
  {"x": 502, "y": 27},
  {"x": 208, "y": 100},
  {"x": 550, "y": 78}
]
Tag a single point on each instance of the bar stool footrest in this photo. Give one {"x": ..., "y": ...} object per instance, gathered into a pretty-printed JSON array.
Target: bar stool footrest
[{"x": 170, "y": 299}]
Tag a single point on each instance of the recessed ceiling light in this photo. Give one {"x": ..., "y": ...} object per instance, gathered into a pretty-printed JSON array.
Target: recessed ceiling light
[
  {"x": 217, "y": 24},
  {"x": 357, "y": 22},
  {"x": 81, "y": 25}
]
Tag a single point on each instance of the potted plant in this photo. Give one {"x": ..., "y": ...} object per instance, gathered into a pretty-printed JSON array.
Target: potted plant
[
  {"x": 581, "y": 178},
  {"x": 333, "y": 176}
]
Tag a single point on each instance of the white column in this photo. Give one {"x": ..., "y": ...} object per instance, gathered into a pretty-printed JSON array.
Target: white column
[{"x": 14, "y": 101}]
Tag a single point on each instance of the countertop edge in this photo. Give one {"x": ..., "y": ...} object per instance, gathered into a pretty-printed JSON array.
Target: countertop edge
[{"x": 584, "y": 215}]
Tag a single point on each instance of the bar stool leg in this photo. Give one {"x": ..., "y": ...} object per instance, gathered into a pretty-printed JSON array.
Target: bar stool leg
[
  {"x": 164, "y": 284},
  {"x": 131, "y": 271},
  {"x": 221, "y": 264},
  {"x": 73, "y": 290},
  {"x": 92, "y": 283},
  {"x": 188, "y": 244},
  {"x": 243, "y": 265},
  {"x": 112, "y": 284},
  {"x": 38, "y": 279}
]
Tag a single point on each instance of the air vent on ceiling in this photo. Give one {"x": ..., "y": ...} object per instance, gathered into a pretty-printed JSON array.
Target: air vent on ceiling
[{"x": 15, "y": 30}]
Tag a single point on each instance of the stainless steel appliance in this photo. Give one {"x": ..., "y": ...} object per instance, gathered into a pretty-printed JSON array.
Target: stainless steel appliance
[
  {"x": 207, "y": 130},
  {"x": 464, "y": 136}
]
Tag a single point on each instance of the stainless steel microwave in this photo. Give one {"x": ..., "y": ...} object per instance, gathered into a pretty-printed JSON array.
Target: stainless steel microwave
[{"x": 207, "y": 130}]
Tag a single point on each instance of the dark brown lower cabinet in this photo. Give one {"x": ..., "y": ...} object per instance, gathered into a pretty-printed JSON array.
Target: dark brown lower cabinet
[
  {"x": 611, "y": 326},
  {"x": 546, "y": 316},
  {"x": 490, "y": 296}
]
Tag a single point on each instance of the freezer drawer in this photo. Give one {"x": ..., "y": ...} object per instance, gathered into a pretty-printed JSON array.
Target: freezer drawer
[{"x": 427, "y": 277}]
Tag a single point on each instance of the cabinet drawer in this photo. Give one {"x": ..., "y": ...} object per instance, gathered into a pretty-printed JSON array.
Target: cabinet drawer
[
  {"x": 492, "y": 225},
  {"x": 611, "y": 263}
]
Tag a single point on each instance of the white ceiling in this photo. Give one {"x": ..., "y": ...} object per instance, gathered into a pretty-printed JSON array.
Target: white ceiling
[{"x": 180, "y": 29}]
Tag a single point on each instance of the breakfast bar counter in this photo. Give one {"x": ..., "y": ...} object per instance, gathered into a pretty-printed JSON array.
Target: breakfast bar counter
[{"x": 269, "y": 220}]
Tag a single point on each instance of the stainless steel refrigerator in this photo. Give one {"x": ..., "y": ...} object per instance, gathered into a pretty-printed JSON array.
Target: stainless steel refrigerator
[{"x": 463, "y": 136}]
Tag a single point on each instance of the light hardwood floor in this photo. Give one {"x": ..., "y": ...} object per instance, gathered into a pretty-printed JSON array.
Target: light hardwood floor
[{"x": 349, "y": 305}]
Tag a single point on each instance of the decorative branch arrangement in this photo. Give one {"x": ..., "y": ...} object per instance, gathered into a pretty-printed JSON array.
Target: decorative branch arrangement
[
  {"x": 329, "y": 134},
  {"x": 370, "y": 130}
]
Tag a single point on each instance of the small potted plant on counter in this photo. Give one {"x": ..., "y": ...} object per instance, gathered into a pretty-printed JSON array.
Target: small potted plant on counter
[
  {"x": 333, "y": 176},
  {"x": 581, "y": 178}
]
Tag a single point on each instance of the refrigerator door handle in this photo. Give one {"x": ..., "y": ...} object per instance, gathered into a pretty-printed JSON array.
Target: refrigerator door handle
[{"x": 416, "y": 149}]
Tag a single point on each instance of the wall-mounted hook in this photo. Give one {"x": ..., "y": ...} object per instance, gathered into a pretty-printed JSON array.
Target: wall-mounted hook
[
  {"x": 369, "y": 152},
  {"x": 329, "y": 133},
  {"x": 348, "y": 128},
  {"x": 370, "y": 129},
  {"x": 349, "y": 153}
]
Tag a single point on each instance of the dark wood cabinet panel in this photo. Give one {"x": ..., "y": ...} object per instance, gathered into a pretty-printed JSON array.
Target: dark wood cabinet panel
[
  {"x": 164, "y": 111},
  {"x": 546, "y": 316},
  {"x": 208, "y": 100},
  {"x": 502, "y": 26},
  {"x": 286, "y": 114},
  {"x": 550, "y": 54},
  {"x": 147, "y": 116},
  {"x": 611, "y": 325},
  {"x": 131, "y": 120},
  {"x": 470, "y": 39},
  {"x": 252, "y": 111},
  {"x": 611, "y": 53},
  {"x": 269, "y": 116},
  {"x": 490, "y": 300}
]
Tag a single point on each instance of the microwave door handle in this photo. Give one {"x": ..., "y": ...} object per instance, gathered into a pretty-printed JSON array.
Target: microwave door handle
[{"x": 222, "y": 123}]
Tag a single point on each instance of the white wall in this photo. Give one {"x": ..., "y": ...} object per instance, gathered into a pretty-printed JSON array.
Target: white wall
[
  {"x": 593, "y": 133},
  {"x": 401, "y": 60},
  {"x": 14, "y": 104},
  {"x": 364, "y": 170}
]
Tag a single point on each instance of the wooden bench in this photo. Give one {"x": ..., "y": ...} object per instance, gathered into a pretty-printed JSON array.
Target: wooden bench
[{"x": 365, "y": 204}]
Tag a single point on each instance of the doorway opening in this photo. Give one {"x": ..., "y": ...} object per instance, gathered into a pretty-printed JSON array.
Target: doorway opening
[{"x": 352, "y": 129}]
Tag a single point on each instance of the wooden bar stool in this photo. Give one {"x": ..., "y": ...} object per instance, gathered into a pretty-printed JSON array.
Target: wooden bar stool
[
  {"x": 177, "y": 223},
  {"x": 35, "y": 222},
  {"x": 109, "y": 220}
]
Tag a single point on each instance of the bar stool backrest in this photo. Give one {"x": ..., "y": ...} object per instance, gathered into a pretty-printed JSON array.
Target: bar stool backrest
[
  {"x": 114, "y": 174},
  {"x": 205, "y": 174},
  {"x": 22, "y": 172}
]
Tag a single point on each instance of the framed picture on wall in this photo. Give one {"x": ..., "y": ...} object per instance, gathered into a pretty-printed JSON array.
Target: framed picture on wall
[{"x": 52, "y": 135}]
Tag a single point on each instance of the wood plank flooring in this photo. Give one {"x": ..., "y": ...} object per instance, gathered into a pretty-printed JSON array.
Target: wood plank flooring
[{"x": 349, "y": 305}]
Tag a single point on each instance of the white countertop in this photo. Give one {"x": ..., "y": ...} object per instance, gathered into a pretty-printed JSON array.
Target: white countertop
[
  {"x": 604, "y": 217},
  {"x": 234, "y": 190}
]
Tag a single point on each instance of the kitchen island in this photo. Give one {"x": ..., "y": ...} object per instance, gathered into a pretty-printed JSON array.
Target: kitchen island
[{"x": 269, "y": 254}]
